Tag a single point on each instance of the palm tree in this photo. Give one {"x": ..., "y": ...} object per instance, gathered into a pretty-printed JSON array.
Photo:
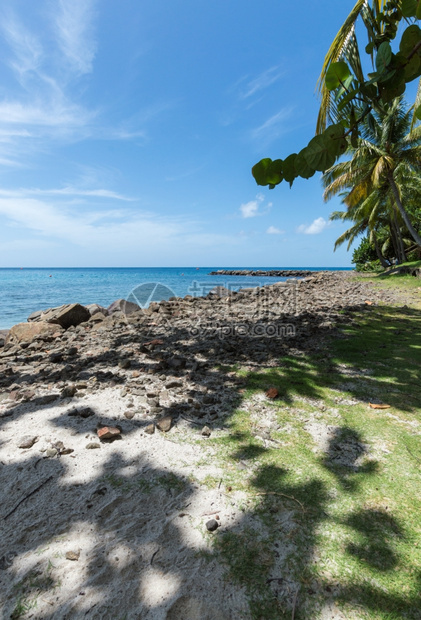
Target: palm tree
[
  {"x": 345, "y": 47},
  {"x": 384, "y": 163}
]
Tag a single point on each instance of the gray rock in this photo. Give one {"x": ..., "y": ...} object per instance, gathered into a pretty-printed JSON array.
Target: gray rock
[
  {"x": 212, "y": 525},
  {"x": 92, "y": 446},
  {"x": 123, "y": 306},
  {"x": 27, "y": 442}
]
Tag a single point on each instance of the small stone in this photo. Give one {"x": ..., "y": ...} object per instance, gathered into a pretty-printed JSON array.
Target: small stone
[
  {"x": 272, "y": 393},
  {"x": 124, "y": 364},
  {"x": 73, "y": 555},
  {"x": 150, "y": 429},
  {"x": 108, "y": 432},
  {"x": 212, "y": 525},
  {"x": 27, "y": 442},
  {"x": 206, "y": 431},
  {"x": 135, "y": 374},
  {"x": 129, "y": 415},
  {"x": 92, "y": 446},
  {"x": 66, "y": 451},
  {"x": 51, "y": 452},
  {"x": 68, "y": 392},
  {"x": 165, "y": 423}
]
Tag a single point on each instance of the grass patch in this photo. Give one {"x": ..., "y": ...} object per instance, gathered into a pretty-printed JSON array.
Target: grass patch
[{"x": 335, "y": 503}]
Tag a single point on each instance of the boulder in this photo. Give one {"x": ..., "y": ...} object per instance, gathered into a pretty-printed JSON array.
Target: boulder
[
  {"x": 65, "y": 316},
  {"x": 95, "y": 309},
  {"x": 3, "y": 336},
  {"x": 121, "y": 305},
  {"x": 27, "y": 332}
]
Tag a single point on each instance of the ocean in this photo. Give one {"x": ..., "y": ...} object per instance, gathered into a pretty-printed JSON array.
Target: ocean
[{"x": 22, "y": 291}]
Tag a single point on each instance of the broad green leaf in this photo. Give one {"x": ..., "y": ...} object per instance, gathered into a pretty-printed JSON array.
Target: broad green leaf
[
  {"x": 259, "y": 171},
  {"x": 410, "y": 38},
  {"x": 289, "y": 168},
  {"x": 412, "y": 68},
  {"x": 383, "y": 57},
  {"x": 274, "y": 172},
  {"x": 409, "y": 8},
  {"x": 337, "y": 73},
  {"x": 393, "y": 88},
  {"x": 334, "y": 139},
  {"x": 369, "y": 48},
  {"x": 301, "y": 166},
  {"x": 317, "y": 154}
]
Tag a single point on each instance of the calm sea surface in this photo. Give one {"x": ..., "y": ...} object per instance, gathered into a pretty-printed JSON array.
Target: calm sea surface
[{"x": 22, "y": 291}]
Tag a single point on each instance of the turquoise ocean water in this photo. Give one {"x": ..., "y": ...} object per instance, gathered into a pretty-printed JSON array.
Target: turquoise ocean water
[{"x": 22, "y": 291}]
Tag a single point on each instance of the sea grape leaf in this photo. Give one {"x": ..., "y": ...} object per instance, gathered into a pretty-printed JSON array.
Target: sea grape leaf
[
  {"x": 259, "y": 171},
  {"x": 274, "y": 172},
  {"x": 317, "y": 154},
  {"x": 301, "y": 166},
  {"x": 393, "y": 88},
  {"x": 412, "y": 68},
  {"x": 289, "y": 168},
  {"x": 337, "y": 73},
  {"x": 409, "y": 8},
  {"x": 410, "y": 38},
  {"x": 334, "y": 139},
  {"x": 383, "y": 56}
]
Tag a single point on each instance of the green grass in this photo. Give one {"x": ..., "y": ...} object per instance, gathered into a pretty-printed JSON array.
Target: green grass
[{"x": 344, "y": 519}]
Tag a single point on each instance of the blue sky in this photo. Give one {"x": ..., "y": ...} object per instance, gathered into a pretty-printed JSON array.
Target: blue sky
[{"x": 128, "y": 131}]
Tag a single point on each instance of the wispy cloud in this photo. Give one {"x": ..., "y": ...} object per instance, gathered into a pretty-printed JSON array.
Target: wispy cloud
[
  {"x": 64, "y": 191},
  {"x": 273, "y": 127},
  {"x": 74, "y": 30},
  {"x": 262, "y": 81},
  {"x": 254, "y": 208},
  {"x": 315, "y": 228},
  {"x": 272, "y": 230}
]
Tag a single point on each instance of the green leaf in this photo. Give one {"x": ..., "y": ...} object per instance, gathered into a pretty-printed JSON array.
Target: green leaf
[
  {"x": 410, "y": 38},
  {"x": 412, "y": 68},
  {"x": 334, "y": 139},
  {"x": 393, "y": 88},
  {"x": 338, "y": 72},
  {"x": 301, "y": 166},
  {"x": 347, "y": 99},
  {"x": 383, "y": 57},
  {"x": 409, "y": 8},
  {"x": 317, "y": 154},
  {"x": 274, "y": 172},
  {"x": 369, "y": 48},
  {"x": 259, "y": 171},
  {"x": 418, "y": 113},
  {"x": 289, "y": 168}
]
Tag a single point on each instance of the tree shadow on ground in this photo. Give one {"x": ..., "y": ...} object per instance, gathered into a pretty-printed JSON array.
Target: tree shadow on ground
[{"x": 268, "y": 557}]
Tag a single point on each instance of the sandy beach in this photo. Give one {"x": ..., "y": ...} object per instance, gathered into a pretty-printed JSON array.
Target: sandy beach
[{"x": 125, "y": 527}]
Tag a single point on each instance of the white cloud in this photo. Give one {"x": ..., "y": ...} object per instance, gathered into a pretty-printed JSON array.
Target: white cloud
[
  {"x": 314, "y": 228},
  {"x": 253, "y": 208},
  {"x": 75, "y": 34},
  {"x": 272, "y": 230}
]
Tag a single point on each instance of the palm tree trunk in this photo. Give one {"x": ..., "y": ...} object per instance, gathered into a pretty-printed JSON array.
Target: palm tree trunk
[
  {"x": 380, "y": 256},
  {"x": 402, "y": 211},
  {"x": 399, "y": 243}
]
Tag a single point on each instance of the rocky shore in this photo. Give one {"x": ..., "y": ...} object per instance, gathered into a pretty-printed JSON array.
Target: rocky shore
[
  {"x": 273, "y": 273},
  {"x": 104, "y": 419}
]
